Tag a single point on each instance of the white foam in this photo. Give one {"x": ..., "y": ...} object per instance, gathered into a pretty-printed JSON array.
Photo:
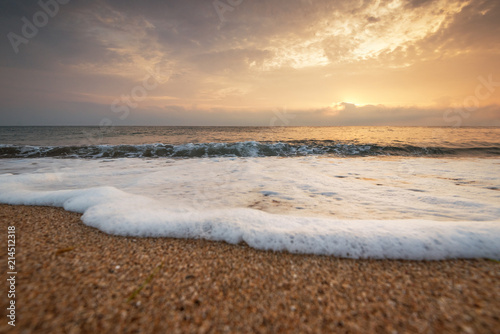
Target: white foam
[{"x": 210, "y": 198}]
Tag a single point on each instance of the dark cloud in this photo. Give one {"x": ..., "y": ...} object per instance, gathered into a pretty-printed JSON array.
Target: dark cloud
[
  {"x": 417, "y": 3},
  {"x": 234, "y": 60},
  {"x": 372, "y": 19},
  {"x": 476, "y": 26},
  {"x": 65, "y": 39}
]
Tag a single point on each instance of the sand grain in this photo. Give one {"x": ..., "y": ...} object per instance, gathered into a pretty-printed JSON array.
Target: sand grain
[{"x": 73, "y": 278}]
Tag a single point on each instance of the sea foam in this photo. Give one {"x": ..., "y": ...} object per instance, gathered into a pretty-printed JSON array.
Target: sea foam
[{"x": 150, "y": 199}]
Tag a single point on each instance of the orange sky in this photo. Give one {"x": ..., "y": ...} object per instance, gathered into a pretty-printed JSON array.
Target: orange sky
[{"x": 211, "y": 63}]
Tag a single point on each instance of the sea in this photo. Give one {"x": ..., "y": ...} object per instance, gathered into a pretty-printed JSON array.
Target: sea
[{"x": 416, "y": 193}]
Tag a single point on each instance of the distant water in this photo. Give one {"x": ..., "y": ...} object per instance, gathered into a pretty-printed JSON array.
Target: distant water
[
  {"x": 359, "y": 192},
  {"x": 95, "y": 142}
]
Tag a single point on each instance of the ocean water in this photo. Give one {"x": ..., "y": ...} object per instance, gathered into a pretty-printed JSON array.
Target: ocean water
[
  {"x": 119, "y": 142},
  {"x": 359, "y": 192}
]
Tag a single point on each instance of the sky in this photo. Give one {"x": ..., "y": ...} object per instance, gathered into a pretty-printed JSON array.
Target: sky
[{"x": 250, "y": 62}]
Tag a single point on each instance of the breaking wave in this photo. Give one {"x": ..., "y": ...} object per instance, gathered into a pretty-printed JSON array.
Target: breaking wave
[{"x": 238, "y": 149}]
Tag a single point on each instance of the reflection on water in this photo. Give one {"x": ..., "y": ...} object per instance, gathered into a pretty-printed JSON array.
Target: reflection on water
[{"x": 463, "y": 137}]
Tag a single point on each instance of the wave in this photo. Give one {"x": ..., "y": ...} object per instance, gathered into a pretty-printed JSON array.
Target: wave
[
  {"x": 116, "y": 212},
  {"x": 239, "y": 149},
  {"x": 359, "y": 208}
]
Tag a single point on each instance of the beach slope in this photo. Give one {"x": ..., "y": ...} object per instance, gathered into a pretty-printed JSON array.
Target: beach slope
[{"x": 73, "y": 278}]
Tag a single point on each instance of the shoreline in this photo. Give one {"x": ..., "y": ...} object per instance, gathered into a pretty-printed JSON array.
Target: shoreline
[{"x": 74, "y": 278}]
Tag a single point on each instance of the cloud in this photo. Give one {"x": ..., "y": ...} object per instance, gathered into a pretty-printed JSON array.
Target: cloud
[
  {"x": 340, "y": 114},
  {"x": 232, "y": 60},
  {"x": 265, "y": 54},
  {"x": 351, "y": 114}
]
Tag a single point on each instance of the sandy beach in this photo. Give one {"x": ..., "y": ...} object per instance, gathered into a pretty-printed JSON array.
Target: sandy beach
[{"x": 73, "y": 278}]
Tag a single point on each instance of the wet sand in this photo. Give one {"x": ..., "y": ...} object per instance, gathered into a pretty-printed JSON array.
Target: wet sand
[{"x": 73, "y": 278}]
